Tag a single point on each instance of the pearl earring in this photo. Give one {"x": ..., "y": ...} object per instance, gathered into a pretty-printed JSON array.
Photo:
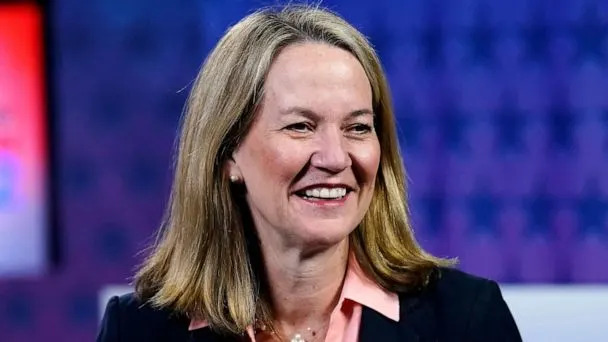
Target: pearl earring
[{"x": 234, "y": 178}]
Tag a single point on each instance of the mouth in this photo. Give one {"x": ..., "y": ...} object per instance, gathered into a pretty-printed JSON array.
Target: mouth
[{"x": 324, "y": 192}]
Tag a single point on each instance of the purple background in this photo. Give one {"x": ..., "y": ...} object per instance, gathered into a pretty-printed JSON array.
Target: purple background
[{"x": 503, "y": 118}]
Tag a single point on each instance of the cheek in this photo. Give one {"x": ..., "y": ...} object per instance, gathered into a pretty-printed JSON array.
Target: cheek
[
  {"x": 368, "y": 159},
  {"x": 275, "y": 162}
]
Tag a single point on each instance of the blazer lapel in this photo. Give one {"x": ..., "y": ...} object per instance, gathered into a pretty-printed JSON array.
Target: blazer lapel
[{"x": 417, "y": 322}]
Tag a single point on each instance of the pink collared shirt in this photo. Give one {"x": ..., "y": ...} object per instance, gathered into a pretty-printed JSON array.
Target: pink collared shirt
[{"x": 358, "y": 290}]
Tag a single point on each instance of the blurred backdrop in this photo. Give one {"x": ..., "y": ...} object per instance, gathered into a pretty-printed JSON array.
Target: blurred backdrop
[{"x": 502, "y": 111}]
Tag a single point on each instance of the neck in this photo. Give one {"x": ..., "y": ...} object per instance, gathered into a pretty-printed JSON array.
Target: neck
[{"x": 305, "y": 287}]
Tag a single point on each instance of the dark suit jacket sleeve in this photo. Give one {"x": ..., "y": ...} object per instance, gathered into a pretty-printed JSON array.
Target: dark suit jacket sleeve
[
  {"x": 128, "y": 319},
  {"x": 109, "y": 331},
  {"x": 491, "y": 319}
]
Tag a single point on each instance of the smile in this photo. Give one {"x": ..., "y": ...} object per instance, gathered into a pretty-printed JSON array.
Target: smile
[
  {"x": 325, "y": 193},
  {"x": 325, "y": 196}
]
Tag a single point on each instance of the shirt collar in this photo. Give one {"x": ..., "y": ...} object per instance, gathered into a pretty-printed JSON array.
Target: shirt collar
[{"x": 358, "y": 288}]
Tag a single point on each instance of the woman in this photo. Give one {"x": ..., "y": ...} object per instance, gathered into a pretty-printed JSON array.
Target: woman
[{"x": 288, "y": 219}]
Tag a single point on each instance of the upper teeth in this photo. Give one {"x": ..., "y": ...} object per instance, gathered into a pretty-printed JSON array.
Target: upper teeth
[{"x": 326, "y": 192}]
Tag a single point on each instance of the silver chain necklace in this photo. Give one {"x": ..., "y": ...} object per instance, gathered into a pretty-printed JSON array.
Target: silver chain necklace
[{"x": 296, "y": 337}]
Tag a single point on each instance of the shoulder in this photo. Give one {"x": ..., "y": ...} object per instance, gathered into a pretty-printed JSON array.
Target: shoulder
[
  {"x": 456, "y": 284},
  {"x": 469, "y": 306},
  {"x": 127, "y": 318},
  {"x": 453, "y": 293}
]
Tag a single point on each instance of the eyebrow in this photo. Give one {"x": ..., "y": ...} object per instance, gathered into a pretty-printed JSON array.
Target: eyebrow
[{"x": 313, "y": 115}]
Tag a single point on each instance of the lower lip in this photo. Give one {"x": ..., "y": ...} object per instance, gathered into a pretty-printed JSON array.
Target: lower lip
[{"x": 326, "y": 203}]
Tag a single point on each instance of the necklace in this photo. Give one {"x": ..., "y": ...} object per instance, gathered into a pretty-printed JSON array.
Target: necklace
[{"x": 297, "y": 337}]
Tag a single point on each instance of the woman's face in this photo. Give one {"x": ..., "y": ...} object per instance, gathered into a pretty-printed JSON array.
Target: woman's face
[{"x": 310, "y": 159}]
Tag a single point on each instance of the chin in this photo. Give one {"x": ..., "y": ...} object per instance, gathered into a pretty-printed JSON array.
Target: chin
[{"x": 325, "y": 234}]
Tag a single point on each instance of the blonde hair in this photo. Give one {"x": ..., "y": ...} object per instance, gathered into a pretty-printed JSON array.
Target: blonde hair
[{"x": 204, "y": 264}]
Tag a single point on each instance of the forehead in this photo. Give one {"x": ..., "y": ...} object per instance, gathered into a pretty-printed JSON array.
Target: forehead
[{"x": 319, "y": 77}]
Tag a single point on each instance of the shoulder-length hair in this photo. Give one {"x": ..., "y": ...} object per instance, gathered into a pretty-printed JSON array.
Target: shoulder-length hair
[{"x": 202, "y": 265}]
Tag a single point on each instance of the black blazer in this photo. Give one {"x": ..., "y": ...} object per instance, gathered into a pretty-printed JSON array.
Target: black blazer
[{"x": 454, "y": 307}]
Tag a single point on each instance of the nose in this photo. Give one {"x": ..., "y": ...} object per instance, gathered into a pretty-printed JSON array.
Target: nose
[{"x": 331, "y": 152}]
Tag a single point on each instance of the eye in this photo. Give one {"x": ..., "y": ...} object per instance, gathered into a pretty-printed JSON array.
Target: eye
[
  {"x": 360, "y": 128},
  {"x": 300, "y": 127}
]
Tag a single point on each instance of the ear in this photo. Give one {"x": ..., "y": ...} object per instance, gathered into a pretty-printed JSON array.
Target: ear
[{"x": 232, "y": 171}]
